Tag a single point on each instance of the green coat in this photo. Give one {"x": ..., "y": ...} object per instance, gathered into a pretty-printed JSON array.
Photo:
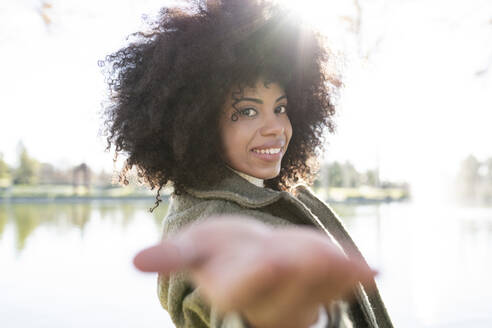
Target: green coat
[{"x": 235, "y": 195}]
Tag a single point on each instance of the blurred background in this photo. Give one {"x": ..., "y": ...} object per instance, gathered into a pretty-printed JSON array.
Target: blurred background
[{"x": 409, "y": 169}]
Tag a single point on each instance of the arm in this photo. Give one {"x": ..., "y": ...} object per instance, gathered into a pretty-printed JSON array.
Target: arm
[{"x": 272, "y": 277}]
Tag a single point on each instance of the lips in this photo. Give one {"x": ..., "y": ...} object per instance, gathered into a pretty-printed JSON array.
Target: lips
[
  {"x": 271, "y": 144},
  {"x": 270, "y": 151}
]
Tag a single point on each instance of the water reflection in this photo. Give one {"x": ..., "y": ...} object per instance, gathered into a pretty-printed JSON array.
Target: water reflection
[
  {"x": 434, "y": 259},
  {"x": 80, "y": 254},
  {"x": 344, "y": 211},
  {"x": 3, "y": 219},
  {"x": 27, "y": 217}
]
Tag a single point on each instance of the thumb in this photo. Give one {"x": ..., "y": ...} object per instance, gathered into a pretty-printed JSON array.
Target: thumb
[{"x": 165, "y": 257}]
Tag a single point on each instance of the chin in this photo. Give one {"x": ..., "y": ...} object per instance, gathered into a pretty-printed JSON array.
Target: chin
[{"x": 266, "y": 175}]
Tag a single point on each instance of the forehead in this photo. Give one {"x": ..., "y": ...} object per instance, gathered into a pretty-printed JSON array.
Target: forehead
[{"x": 260, "y": 89}]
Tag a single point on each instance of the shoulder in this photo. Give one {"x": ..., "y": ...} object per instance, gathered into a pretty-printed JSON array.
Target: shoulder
[
  {"x": 304, "y": 193},
  {"x": 187, "y": 209},
  {"x": 307, "y": 196}
]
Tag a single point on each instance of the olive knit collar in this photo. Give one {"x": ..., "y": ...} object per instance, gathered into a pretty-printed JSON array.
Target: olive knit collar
[{"x": 235, "y": 188}]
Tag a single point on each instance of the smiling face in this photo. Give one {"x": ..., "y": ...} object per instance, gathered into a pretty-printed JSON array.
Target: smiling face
[{"x": 255, "y": 130}]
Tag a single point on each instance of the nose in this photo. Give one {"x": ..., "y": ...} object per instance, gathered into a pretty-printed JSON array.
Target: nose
[{"x": 273, "y": 125}]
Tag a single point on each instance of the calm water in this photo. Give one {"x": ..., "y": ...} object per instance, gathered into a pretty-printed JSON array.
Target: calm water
[{"x": 69, "y": 265}]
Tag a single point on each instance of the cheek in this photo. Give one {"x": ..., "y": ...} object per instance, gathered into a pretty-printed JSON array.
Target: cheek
[
  {"x": 232, "y": 143},
  {"x": 288, "y": 130}
]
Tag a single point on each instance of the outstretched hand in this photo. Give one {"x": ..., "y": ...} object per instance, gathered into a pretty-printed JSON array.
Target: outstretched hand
[{"x": 273, "y": 277}]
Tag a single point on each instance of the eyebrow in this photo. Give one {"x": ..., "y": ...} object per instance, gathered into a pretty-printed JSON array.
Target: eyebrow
[{"x": 258, "y": 101}]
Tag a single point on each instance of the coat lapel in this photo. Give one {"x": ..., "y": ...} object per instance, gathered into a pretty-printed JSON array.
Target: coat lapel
[
  {"x": 313, "y": 211},
  {"x": 237, "y": 189}
]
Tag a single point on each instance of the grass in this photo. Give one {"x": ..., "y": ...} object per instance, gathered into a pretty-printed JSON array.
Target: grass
[
  {"x": 55, "y": 192},
  {"x": 68, "y": 191}
]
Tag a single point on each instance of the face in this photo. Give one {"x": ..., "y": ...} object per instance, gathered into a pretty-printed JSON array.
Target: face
[{"x": 255, "y": 130}]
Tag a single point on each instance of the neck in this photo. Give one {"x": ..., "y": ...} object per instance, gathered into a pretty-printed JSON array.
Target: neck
[{"x": 254, "y": 180}]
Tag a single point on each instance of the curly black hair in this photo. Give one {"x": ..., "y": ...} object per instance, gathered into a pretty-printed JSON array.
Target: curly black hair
[{"x": 168, "y": 85}]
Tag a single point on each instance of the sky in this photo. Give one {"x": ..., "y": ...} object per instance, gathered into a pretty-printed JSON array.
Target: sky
[{"x": 414, "y": 104}]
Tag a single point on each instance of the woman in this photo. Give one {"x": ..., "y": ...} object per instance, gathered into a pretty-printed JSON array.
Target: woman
[{"x": 227, "y": 102}]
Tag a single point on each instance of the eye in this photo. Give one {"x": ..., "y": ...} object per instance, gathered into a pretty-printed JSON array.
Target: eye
[
  {"x": 249, "y": 112},
  {"x": 281, "y": 109}
]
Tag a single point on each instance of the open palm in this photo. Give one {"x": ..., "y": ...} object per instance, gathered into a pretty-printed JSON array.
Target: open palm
[{"x": 273, "y": 277}]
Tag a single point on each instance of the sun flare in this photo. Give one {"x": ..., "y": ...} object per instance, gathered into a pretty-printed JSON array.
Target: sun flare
[{"x": 322, "y": 14}]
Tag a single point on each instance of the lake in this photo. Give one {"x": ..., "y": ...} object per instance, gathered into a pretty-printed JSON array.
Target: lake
[{"x": 70, "y": 264}]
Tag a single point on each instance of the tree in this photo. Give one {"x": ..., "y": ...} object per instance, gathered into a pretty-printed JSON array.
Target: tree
[
  {"x": 335, "y": 175},
  {"x": 27, "y": 172},
  {"x": 370, "y": 178},
  {"x": 49, "y": 174},
  {"x": 350, "y": 175},
  {"x": 5, "y": 176},
  {"x": 468, "y": 179},
  {"x": 487, "y": 182},
  {"x": 488, "y": 164}
]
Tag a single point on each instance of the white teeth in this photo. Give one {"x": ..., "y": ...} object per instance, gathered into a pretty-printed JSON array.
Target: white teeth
[{"x": 267, "y": 151}]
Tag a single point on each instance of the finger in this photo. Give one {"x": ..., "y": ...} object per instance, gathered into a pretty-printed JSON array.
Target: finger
[
  {"x": 327, "y": 272},
  {"x": 165, "y": 257},
  {"x": 367, "y": 277},
  {"x": 343, "y": 277},
  {"x": 366, "y": 273}
]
